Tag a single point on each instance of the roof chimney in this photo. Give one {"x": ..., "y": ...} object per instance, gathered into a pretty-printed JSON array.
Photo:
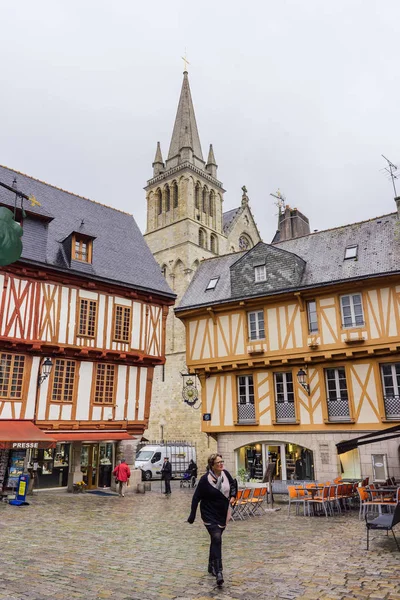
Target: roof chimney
[{"x": 292, "y": 224}]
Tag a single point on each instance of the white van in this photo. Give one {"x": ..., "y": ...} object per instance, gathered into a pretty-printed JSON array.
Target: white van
[{"x": 150, "y": 459}]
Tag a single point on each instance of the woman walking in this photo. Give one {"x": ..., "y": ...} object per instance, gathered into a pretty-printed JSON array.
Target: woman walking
[{"x": 216, "y": 491}]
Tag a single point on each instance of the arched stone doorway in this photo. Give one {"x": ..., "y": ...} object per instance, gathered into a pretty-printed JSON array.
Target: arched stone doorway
[{"x": 293, "y": 462}]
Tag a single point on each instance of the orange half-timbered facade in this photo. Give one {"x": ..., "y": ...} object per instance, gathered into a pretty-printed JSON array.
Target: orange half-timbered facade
[
  {"x": 297, "y": 348},
  {"x": 88, "y": 296}
]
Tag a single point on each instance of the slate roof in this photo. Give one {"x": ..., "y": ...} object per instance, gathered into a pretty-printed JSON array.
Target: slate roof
[
  {"x": 323, "y": 252},
  {"x": 228, "y": 217},
  {"x": 120, "y": 253}
]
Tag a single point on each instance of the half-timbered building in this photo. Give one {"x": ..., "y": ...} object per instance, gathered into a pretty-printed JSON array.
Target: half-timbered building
[
  {"x": 87, "y": 302},
  {"x": 297, "y": 347}
]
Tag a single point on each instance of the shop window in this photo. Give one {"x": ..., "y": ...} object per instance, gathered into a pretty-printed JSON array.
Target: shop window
[
  {"x": 337, "y": 395},
  {"x": 352, "y": 310},
  {"x": 256, "y": 325},
  {"x": 122, "y": 323},
  {"x": 284, "y": 397},
  {"x": 11, "y": 375},
  {"x": 87, "y": 317},
  {"x": 391, "y": 390},
  {"x": 63, "y": 380},
  {"x": 81, "y": 248},
  {"x": 312, "y": 316},
  {"x": 104, "y": 384},
  {"x": 246, "y": 409}
]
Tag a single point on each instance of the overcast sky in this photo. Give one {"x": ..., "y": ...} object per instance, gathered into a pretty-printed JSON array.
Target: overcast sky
[{"x": 301, "y": 96}]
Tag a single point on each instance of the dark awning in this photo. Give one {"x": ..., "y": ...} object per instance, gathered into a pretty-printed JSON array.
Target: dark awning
[
  {"x": 16, "y": 434},
  {"x": 369, "y": 438}
]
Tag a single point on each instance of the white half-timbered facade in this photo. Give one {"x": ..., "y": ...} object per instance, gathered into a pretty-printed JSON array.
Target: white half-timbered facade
[
  {"x": 87, "y": 295},
  {"x": 297, "y": 347}
]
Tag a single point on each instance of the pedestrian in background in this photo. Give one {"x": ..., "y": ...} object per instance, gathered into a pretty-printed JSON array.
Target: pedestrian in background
[
  {"x": 192, "y": 468},
  {"x": 122, "y": 474},
  {"x": 216, "y": 492},
  {"x": 166, "y": 474}
]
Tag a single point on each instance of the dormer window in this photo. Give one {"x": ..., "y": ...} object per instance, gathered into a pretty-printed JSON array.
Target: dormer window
[
  {"x": 260, "y": 273},
  {"x": 350, "y": 252},
  {"x": 81, "y": 248},
  {"x": 212, "y": 284}
]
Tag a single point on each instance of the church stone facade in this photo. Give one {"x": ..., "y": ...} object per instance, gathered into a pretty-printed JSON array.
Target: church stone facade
[{"x": 186, "y": 225}]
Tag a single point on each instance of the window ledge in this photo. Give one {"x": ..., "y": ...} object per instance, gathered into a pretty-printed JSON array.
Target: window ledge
[
  {"x": 338, "y": 421},
  {"x": 359, "y": 340},
  {"x": 390, "y": 419},
  {"x": 288, "y": 422},
  {"x": 249, "y": 422}
]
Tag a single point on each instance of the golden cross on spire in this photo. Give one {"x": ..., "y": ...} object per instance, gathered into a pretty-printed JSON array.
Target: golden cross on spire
[{"x": 185, "y": 60}]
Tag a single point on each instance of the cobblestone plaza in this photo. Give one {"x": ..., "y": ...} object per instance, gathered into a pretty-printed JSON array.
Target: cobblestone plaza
[{"x": 65, "y": 546}]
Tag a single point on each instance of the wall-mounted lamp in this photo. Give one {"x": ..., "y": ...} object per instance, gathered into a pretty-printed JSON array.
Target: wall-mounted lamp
[
  {"x": 46, "y": 370},
  {"x": 302, "y": 379}
]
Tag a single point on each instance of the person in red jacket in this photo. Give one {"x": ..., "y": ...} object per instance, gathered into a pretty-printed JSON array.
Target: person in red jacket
[{"x": 122, "y": 473}]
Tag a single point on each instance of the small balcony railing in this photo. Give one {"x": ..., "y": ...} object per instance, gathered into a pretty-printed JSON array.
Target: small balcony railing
[
  {"x": 392, "y": 407},
  {"x": 338, "y": 409},
  {"x": 246, "y": 413},
  {"x": 285, "y": 412}
]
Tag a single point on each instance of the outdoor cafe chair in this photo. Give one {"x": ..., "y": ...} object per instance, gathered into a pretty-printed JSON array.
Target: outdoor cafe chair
[
  {"x": 365, "y": 501},
  {"x": 323, "y": 500},
  {"x": 235, "y": 514},
  {"x": 297, "y": 496},
  {"x": 242, "y": 504},
  {"x": 384, "y": 522},
  {"x": 255, "y": 502},
  {"x": 393, "y": 500}
]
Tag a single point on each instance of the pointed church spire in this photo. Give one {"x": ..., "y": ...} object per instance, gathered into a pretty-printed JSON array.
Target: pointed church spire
[
  {"x": 158, "y": 164},
  {"x": 185, "y": 135},
  {"x": 211, "y": 166}
]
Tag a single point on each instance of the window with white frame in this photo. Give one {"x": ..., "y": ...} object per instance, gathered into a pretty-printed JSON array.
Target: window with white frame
[
  {"x": 260, "y": 273},
  {"x": 352, "y": 310},
  {"x": 256, "y": 325},
  {"x": 246, "y": 410},
  {"x": 212, "y": 284},
  {"x": 350, "y": 252},
  {"x": 391, "y": 389},
  {"x": 312, "y": 316},
  {"x": 284, "y": 397},
  {"x": 337, "y": 395}
]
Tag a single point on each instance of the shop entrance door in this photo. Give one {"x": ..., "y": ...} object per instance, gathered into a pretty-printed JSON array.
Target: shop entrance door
[{"x": 89, "y": 464}]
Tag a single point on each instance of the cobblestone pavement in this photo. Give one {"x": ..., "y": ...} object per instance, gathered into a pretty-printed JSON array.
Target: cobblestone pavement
[{"x": 66, "y": 546}]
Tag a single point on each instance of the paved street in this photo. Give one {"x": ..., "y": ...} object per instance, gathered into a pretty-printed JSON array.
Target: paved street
[{"x": 66, "y": 546}]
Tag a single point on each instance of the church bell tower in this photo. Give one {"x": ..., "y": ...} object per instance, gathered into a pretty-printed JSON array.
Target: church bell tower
[{"x": 184, "y": 201}]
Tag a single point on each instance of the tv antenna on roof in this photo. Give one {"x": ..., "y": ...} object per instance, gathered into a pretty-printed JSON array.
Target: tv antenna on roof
[
  {"x": 391, "y": 169},
  {"x": 281, "y": 203}
]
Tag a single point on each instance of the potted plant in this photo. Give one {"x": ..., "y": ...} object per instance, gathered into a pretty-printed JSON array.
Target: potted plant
[
  {"x": 242, "y": 476},
  {"x": 79, "y": 487}
]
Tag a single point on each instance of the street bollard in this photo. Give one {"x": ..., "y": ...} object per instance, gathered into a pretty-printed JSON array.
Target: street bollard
[
  {"x": 147, "y": 486},
  {"x": 140, "y": 488}
]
